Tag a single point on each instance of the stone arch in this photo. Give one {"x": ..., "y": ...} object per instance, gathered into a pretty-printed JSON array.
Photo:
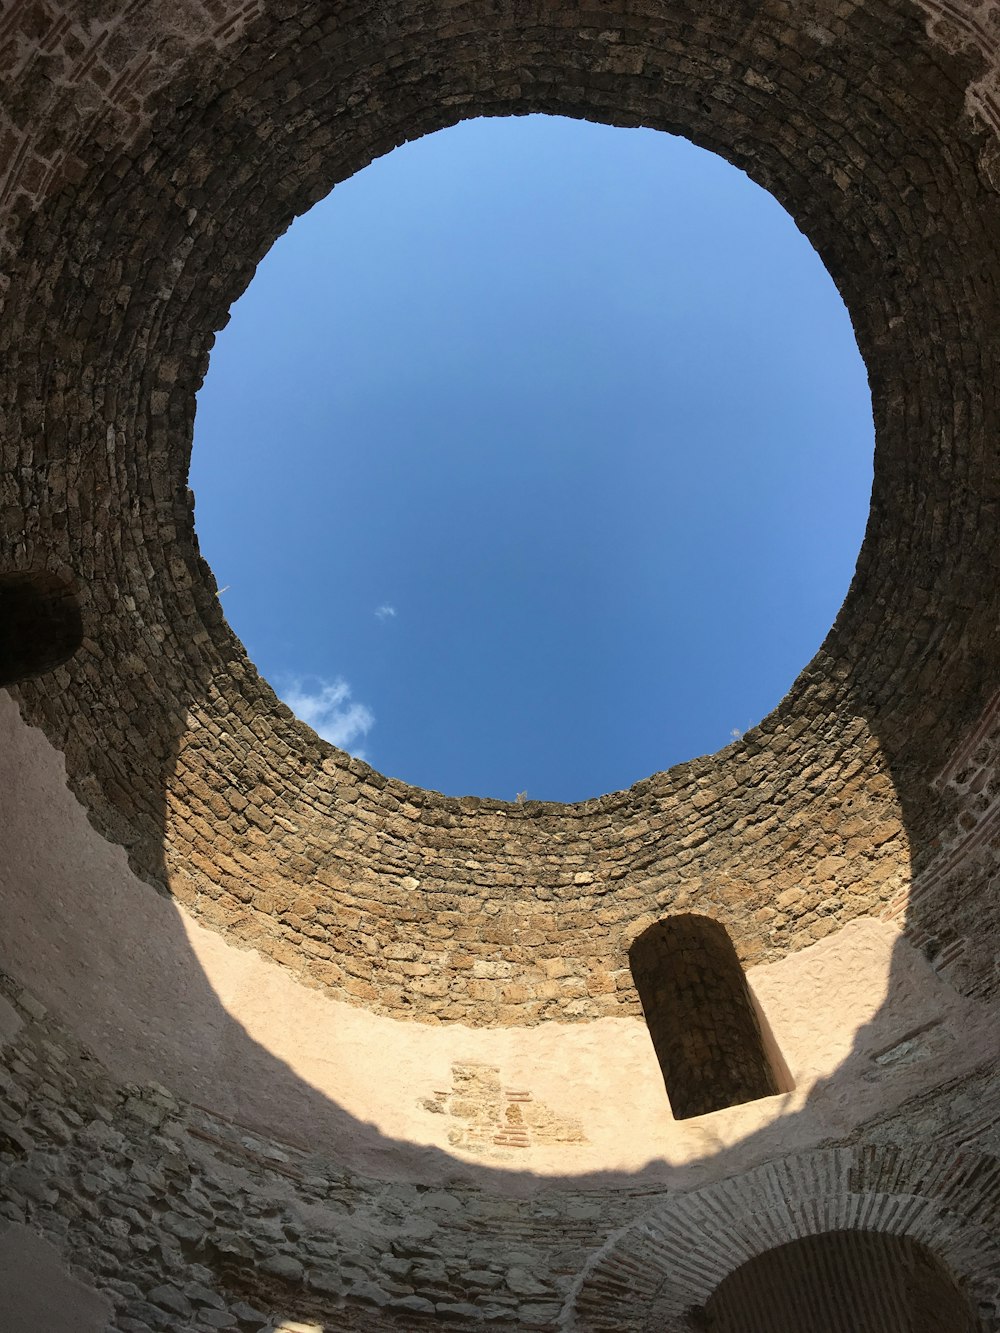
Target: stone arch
[
  {"x": 40, "y": 623},
  {"x": 700, "y": 1015},
  {"x": 839, "y": 1282},
  {"x": 652, "y": 1275},
  {"x": 152, "y": 153}
]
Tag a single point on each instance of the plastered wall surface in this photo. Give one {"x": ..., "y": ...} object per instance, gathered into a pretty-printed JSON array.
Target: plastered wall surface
[
  {"x": 160, "y": 998},
  {"x": 287, "y": 1040}
]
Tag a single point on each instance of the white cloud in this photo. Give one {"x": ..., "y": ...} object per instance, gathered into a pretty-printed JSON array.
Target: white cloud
[
  {"x": 330, "y": 711},
  {"x": 385, "y": 611}
]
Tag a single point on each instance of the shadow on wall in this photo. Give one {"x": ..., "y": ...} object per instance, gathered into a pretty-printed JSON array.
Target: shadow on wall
[
  {"x": 881, "y": 1282},
  {"x": 114, "y": 963},
  {"x": 168, "y": 673},
  {"x": 113, "y": 960},
  {"x": 41, "y": 625}
]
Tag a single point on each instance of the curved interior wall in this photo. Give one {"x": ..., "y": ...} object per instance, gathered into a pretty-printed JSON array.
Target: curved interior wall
[
  {"x": 882, "y": 1282},
  {"x": 237, "y": 809},
  {"x": 196, "y": 1134},
  {"x": 150, "y": 156}
]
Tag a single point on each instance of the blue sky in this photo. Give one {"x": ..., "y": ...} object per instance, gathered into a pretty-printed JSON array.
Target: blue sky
[{"x": 536, "y": 457}]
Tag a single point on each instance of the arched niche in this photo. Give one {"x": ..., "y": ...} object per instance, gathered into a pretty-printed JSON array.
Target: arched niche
[
  {"x": 701, "y": 1016},
  {"x": 40, "y": 623},
  {"x": 840, "y": 1282},
  {"x": 660, "y": 1274}
]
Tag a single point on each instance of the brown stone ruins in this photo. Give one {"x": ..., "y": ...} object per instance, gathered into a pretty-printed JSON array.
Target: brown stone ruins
[{"x": 286, "y": 1044}]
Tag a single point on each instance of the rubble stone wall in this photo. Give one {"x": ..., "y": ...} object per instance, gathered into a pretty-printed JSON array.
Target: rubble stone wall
[
  {"x": 150, "y": 153},
  {"x": 154, "y": 153}
]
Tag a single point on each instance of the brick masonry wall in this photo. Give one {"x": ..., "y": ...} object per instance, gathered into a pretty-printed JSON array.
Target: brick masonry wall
[
  {"x": 149, "y": 155},
  {"x": 187, "y": 1220},
  {"x": 651, "y": 1277},
  {"x": 182, "y": 1218},
  {"x": 153, "y": 156},
  {"x": 951, "y": 909},
  {"x": 467, "y": 1175}
]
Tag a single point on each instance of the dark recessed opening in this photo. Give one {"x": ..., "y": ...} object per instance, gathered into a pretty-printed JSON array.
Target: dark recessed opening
[
  {"x": 40, "y": 624},
  {"x": 840, "y": 1282},
  {"x": 701, "y": 1016}
]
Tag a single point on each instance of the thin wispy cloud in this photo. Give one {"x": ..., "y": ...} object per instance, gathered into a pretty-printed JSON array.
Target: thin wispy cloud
[
  {"x": 327, "y": 707},
  {"x": 385, "y": 612}
]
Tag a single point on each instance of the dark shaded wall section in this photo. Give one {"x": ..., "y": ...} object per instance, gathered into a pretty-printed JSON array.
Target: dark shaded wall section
[
  {"x": 841, "y": 1282},
  {"x": 700, "y": 1016},
  {"x": 40, "y": 624}
]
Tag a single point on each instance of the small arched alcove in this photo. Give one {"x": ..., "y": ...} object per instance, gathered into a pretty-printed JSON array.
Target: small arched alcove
[
  {"x": 40, "y": 623},
  {"x": 701, "y": 1016},
  {"x": 840, "y": 1282}
]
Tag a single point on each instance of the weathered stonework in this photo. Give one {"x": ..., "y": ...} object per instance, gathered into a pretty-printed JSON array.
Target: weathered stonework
[
  {"x": 149, "y": 155},
  {"x": 489, "y": 1119}
]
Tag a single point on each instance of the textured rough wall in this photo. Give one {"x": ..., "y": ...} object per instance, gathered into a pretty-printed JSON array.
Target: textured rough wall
[
  {"x": 200, "y": 1135},
  {"x": 154, "y": 154},
  {"x": 149, "y": 155},
  {"x": 882, "y": 1282},
  {"x": 856, "y": 1025},
  {"x": 186, "y": 1219}
]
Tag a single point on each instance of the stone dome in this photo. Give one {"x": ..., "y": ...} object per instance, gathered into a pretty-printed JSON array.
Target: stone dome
[{"x": 288, "y": 1044}]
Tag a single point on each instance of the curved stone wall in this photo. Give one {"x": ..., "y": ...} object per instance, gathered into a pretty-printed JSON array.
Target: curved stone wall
[
  {"x": 855, "y": 1025},
  {"x": 943, "y": 1202},
  {"x": 184, "y": 168},
  {"x": 149, "y": 155},
  {"x": 208, "y": 1143}
]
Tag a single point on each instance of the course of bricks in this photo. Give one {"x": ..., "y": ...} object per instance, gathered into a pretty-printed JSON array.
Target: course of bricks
[
  {"x": 150, "y": 153},
  {"x": 651, "y": 1276},
  {"x": 189, "y": 159}
]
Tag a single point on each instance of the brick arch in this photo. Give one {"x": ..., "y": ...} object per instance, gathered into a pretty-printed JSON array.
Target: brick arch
[
  {"x": 856, "y": 1281},
  {"x": 650, "y": 1276}
]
